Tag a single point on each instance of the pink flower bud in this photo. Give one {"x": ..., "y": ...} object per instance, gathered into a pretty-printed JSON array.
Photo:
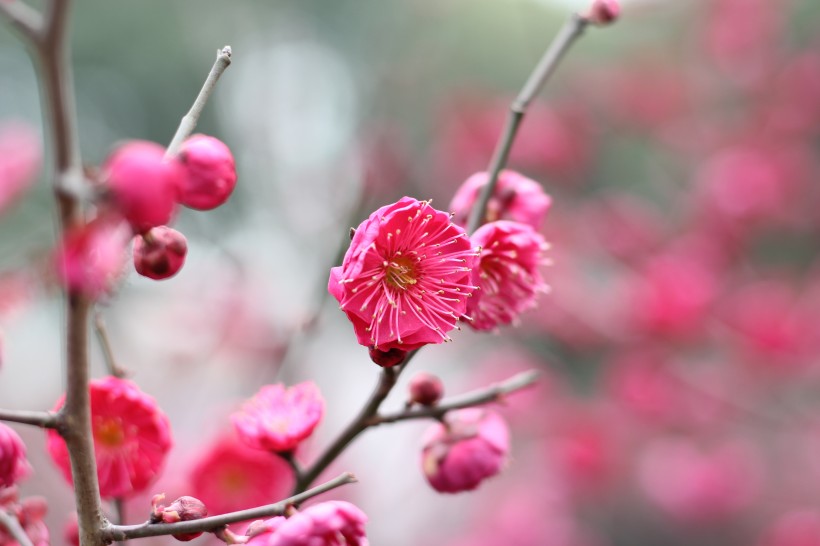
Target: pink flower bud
[
  {"x": 90, "y": 258},
  {"x": 332, "y": 523},
  {"x": 278, "y": 419},
  {"x": 13, "y": 464},
  {"x": 210, "y": 172},
  {"x": 426, "y": 389},
  {"x": 387, "y": 359},
  {"x": 472, "y": 447},
  {"x": 144, "y": 185},
  {"x": 160, "y": 253},
  {"x": 603, "y": 12},
  {"x": 182, "y": 509}
]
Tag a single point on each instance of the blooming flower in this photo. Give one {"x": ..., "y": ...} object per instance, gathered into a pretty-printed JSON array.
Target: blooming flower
[
  {"x": 210, "y": 172},
  {"x": 29, "y": 513},
  {"x": 13, "y": 464},
  {"x": 515, "y": 197},
  {"x": 132, "y": 437},
  {"x": 507, "y": 273},
  {"x": 332, "y": 523},
  {"x": 405, "y": 279},
  {"x": 470, "y": 449},
  {"x": 278, "y": 419},
  {"x": 230, "y": 476}
]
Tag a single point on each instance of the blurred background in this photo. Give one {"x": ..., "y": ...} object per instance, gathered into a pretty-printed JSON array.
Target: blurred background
[{"x": 680, "y": 346}]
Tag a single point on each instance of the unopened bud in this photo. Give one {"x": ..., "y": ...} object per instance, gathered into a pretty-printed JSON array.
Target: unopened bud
[
  {"x": 182, "y": 509},
  {"x": 387, "y": 359},
  {"x": 603, "y": 12},
  {"x": 426, "y": 389},
  {"x": 160, "y": 253}
]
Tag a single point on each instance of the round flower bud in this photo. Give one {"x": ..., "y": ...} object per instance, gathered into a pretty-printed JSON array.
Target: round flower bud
[
  {"x": 603, "y": 12},
  {"x": 387, "y": 359},
  {"x": 143, "y": 184},
  {"x": 426, "y": 389},
  {"x": 210, "y": 175},
  {"x": 13, "y": 464},
  {"x": 182, "y": 509},
  {"x": 160, "y": 253},
  {"x": 470, "y": 449}
]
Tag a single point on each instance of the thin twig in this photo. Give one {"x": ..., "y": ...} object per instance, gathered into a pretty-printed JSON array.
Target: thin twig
[
  {"x": 42, "y": 419},
  {"x": 571, "y": 30},
  {"x": 212, "y": 523},
  {"x": 105, "y": 345},
  {"x": 25, "y": 19},
  {"x": 387, "y": 380},
  {"x": 494, "y": 393},
  {"x": 189, "y": 121},
  {"x": 14, "y": 528}
]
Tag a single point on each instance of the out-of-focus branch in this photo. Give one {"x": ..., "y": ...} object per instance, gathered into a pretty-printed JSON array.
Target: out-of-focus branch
[
  {"x": 493, "y": 393},
  {"x": 42, "y": 419},
  {"x": 189, "y": 121},
  {"x": 13, "y": 527},
  {"x": 105, "y": 345},
  {"x": 213, "y": 523},
  {"x": 571, "y": 30},
  {"x": 25, "y": 19}
]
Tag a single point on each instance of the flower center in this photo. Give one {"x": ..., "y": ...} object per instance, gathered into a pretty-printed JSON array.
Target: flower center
[
  {"x": 109, "y": 432},
  {"x": 400, "y": 273}
]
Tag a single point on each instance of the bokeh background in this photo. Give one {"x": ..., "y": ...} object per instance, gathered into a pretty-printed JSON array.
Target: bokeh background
[{"x": 680, "y": 344}]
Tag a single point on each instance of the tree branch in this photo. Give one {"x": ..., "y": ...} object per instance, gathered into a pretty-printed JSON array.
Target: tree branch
[
  {"x": 42, "y": 419},
  {"x": 571, "y": 30},
  {"x": 105, "y": 345},
  {"x": 25, "y": 19},
  {"x": 494, "y": 393},
  {"x": 212, "y": 523},
  {"x": 14, "y": 528},
  {"x": 189, "y": 121}
]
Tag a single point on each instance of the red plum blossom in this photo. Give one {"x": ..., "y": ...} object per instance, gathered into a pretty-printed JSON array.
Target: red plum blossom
[
  {"x": 406, "y": 278},
  {"x": 332, "y": 523},
  {"x": 13, "y": 464}
]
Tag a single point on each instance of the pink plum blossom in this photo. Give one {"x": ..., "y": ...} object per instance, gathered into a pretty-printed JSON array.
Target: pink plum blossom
[
  {"x": 799, "y": 527},
  {"x": 210, "y": 173},
  {"x": 227, "y": 476},
  {"x": 331, "y": 523},
  {"x": 143, "y": 185},
  {"x": 507, "y": 274},
  {"x": 13, "y": 464},
  {"x": 278, "y": 418},
  {"x": 20, "y": 158},
  {"x": 29, "y": 512},
  {"x": 471, "y": 448},
  {"x": 160, "y": 253},
  {"x": 405, "y": 280},
  {"x": 515, "y": 197},
  {"x": 132, "y": 437}
]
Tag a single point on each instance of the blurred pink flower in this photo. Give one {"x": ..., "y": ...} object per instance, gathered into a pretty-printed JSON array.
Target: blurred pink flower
[
  {"x": 20, "y": 158},
  {"x": 132, "y": 438},
  {"x": 507, "y": 273},
  {"x": 278, "y": 418},
  {"x": 229, "y": 476},
  {"x": 91, "y": 258},
  {"x": 29, "y": 512},
  {"x": 799, "y": 527},
  {"x": 144, "y": 186},
  {"x": 13, "y": 464},
  {"x": 515, "y": 197},
  {"x": 210, "y": 173},
  {"x": 331, "y": 523},
  {"x": 699, "y": 485},
  {"x": 471, "y": 448},
  {"x": 405, "y": 279}
]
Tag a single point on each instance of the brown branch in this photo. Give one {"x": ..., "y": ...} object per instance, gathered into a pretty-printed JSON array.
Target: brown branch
[
  {"x": 105, "y": 345},
  {"x": 494, "y": 393},
  {"x": 189, "y": 121},
  {"x": 23, "y": 17},
  {"x": 213, "y": 523},
  {"x": 387, "y": 380},
  {"x": 42, "y": 419},
  {"x": 571, "y": 30},
  {"x": 14, "y": 528}
]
